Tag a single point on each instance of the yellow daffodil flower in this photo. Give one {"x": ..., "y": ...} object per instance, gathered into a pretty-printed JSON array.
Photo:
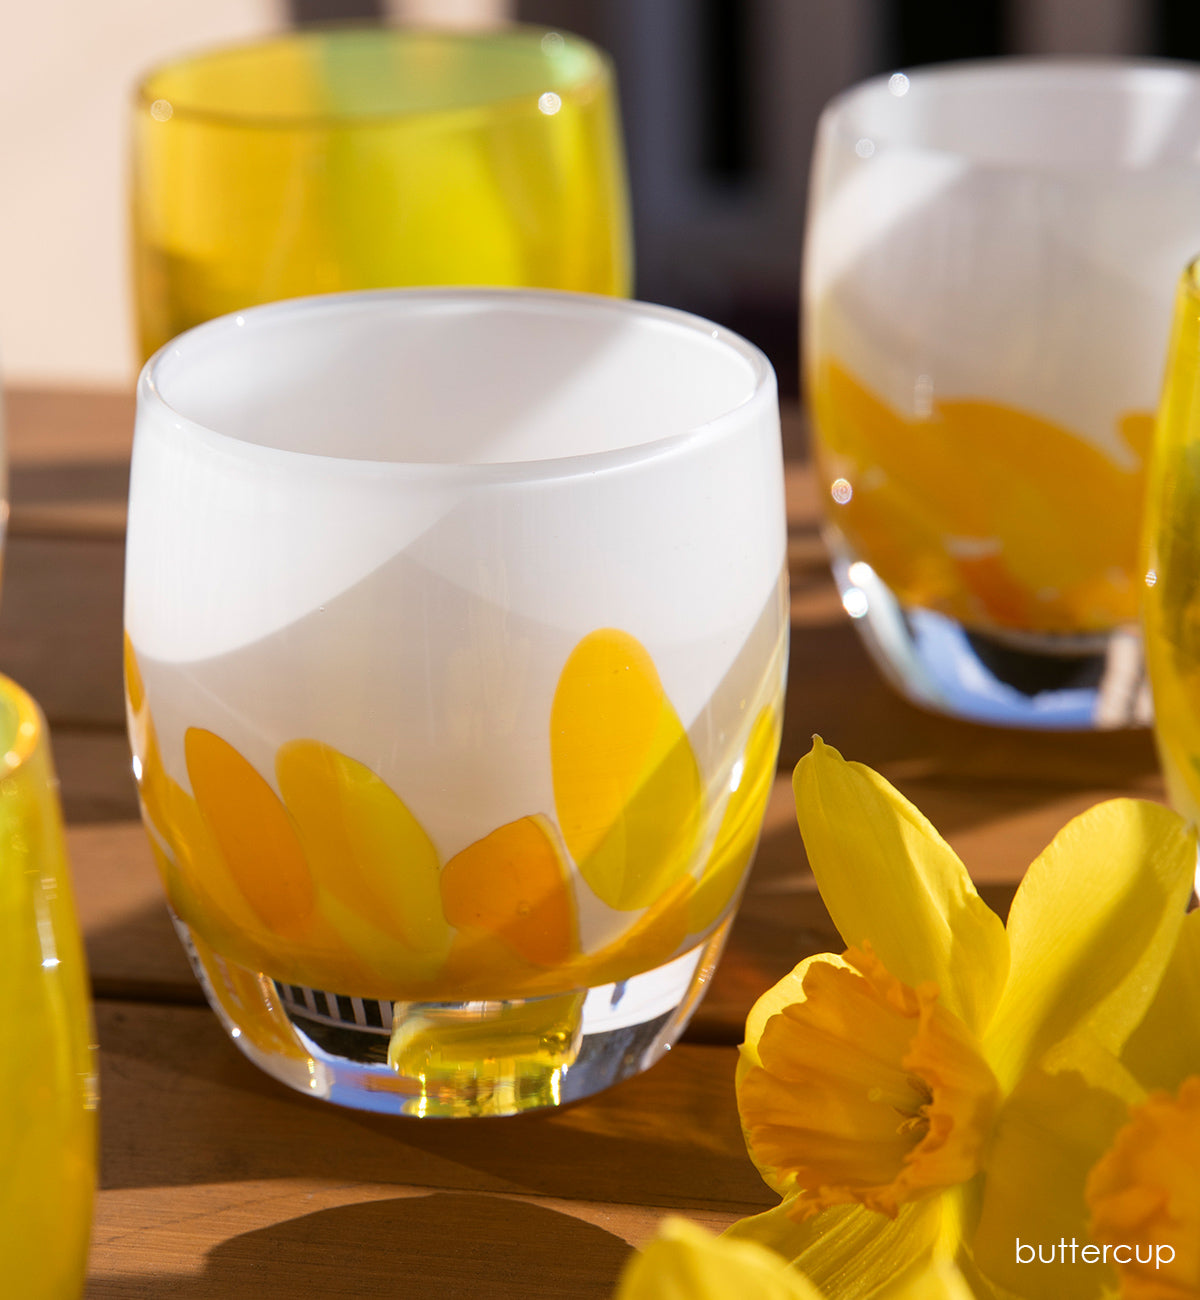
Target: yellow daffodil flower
[
  {"x": 1144, "y": 1193},
  {"x": 945, "y": 1086},
  {"x": 684, "y": 1262}
]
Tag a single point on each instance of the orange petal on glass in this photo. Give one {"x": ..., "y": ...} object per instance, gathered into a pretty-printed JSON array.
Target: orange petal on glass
[
  {"x": 253, "y": 833},
  {"x": 197, "y": 882},
  {"x": 994, "y": 545},
  {"x": 869, "y": 1091},
  {"x": 626, "y": 785},
  {"x": 1144, "y": 1194},
  {"x": 257, "y": 846},
  {"x": 481, "y": 966},
  {"x": 133, "y": 678},
  {"x": 514, "y": 884},
  {"x": 240, "y": 994}
]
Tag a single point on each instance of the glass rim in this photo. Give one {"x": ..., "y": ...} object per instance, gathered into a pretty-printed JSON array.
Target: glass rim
[
  {"x": 1191, "y": 278},
  {"x": 28, "y": 726},
  {"x": 1024, "y": 72},
  {"x": 596, "y": 74},
  {"x": 763, "y": 389}
]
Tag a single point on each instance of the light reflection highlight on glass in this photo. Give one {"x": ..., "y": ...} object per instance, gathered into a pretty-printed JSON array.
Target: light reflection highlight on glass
[
  {"x": 854, "y": 602},
  {"x": 841, "y": 491},
  {"x": 860, "y": 573},
  {"x": 898, "y": 84},
  {"x": 549, "y": 103},
  {"x": 1151, "y": 577}
]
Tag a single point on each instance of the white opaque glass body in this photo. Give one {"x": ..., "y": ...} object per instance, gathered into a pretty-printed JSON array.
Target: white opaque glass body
[
  {"x": 989, "y": 266},
  {"x": 385, "y": 522}
]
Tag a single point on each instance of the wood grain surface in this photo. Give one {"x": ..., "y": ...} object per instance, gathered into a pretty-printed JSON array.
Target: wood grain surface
[{"x": 218, "y": 1182}]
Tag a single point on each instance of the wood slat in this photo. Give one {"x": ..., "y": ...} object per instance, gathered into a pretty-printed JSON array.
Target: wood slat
[
  {"x": 254, "y": 1240},
  {"x": 93, "y": 769},
  {"x": 218, "y": 1182},
  {"x": 181, "y": 1107},
  {"x": 48, "y": 426},
  {"x": 60, "y": 627}
]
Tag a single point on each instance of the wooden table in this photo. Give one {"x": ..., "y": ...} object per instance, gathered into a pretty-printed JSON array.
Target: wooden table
[{"x": 217, "y": 1182}]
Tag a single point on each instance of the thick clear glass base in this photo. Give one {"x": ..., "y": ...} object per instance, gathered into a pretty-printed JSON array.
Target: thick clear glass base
[
  {"x": 1008, "y": 679},
  {"x": 455, "y": 1059}
]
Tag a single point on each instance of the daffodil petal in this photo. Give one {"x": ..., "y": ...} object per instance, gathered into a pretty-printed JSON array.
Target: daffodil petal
[
  {"x": 850, "y": 1252},
  {"x": 1157, "y": 1053},
  {"x": 890, "y": 880},
  {"x": 1091, "y": 929},
  {"x": 940, "y": 1280},
  {"x": 1056, "y": 1124},
  {"x": 684, "y": 1262}
]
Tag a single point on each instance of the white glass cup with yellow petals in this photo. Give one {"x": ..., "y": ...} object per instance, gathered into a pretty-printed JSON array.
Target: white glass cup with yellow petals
[{"x": 456, "y": 638}]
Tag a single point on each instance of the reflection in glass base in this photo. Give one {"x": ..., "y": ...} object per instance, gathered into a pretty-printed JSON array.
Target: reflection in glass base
[
  {"x": 461, "y": 1058},
  {"x": 1010, "y": 679}
]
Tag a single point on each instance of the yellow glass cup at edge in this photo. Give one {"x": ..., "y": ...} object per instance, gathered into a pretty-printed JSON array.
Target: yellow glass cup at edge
[
  {"x": 368, "y": 157},
  {"x": 1171, "y": 602},
  {"x": 47, "y": 1065}
]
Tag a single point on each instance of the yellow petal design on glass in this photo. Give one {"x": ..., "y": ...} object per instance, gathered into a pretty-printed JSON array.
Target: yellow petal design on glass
[
  {"x": 1144, "y": 1195},
  {"x": 991, "y": 548},
  {"x": 868, "y": 1091},
  {"x": 257, "y": 848},
  {"x": 363, "y": 846},
  {"x": 513, "y": 884},
  {"x": 626, "y": 786},
  {"x": 337, "y": 886},
  {"x": 684, "y": 1262},
  {"x": 887, "y": 877},
  {"x": 740, "y": 824}
]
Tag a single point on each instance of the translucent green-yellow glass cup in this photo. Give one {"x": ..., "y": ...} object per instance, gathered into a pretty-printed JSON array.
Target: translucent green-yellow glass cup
[
  {"x": 373, "y": 157},
  {"x": 47, "y": 1068}
]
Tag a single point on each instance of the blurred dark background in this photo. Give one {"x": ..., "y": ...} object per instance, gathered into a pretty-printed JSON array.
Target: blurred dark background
[{"x": 720, "y": 100}]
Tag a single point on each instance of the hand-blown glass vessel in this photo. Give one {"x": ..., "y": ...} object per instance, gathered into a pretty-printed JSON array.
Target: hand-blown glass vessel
[{"x": 456, "y": 639}]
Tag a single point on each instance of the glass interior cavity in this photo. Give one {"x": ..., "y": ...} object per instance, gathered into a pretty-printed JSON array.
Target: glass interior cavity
[
  {"x": 370, "y": 72},
  {"x": 1033, "y": 113},
  {"x": 455, "y": 378}
]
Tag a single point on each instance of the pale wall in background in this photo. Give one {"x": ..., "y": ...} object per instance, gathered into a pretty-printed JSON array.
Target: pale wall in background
[{"x": 67, "y": 69}]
